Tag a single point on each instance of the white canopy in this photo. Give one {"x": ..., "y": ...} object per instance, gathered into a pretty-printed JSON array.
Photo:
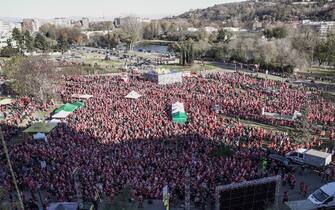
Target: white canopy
[
  {"x": 63, "y": 206},
  {"x": 53, "y": 121},
  {"x": 6, "y": 101},
  {"x": 39, "y": 136},
  {"x": 177, "y": 107},
  {"x": 82, "y": 96},
  {"x": 61, "y": 115},
  {"x": 133, "y": 95}
]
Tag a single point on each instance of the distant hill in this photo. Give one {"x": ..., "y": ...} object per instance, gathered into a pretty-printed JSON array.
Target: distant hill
[{"x": 274, "y": 11}]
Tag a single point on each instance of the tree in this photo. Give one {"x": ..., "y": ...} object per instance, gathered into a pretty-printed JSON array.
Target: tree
[
  {"x": 28, "y": 41},
  {"x": 224, "y": 36},
  {"x": 321, "y": 3},
  {"x": 32, "y": 76},
  {"x": 331, "y": 48},
  {"x": 9, "y": 42},
  {"x": 19, "y": 39},
  {"x": 49, "y": 30},
  {"x": 186, "y": 51},
  {"x": 113, "y": 39},
  {"x": 268, "y": 53},
  {"x": 63, "y": 43},
  {"x": 305, "y": 42},
  {"x": 132, "y": 30},
  {"x": 277, "y": 33},
  {"x": 9, "y": 52},
  {"x": 41, "y": 42},
  {"x": 151, "y": 30},
  {"x": 321, "y": 52}
]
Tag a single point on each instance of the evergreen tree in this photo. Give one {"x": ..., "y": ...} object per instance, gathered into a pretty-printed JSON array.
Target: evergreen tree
[
  {"x": 28, "y": 41},
  {"x": 41, "y": 43},
  {"x": 62, "y": 43},
  {"x": 19, "y": 39}
]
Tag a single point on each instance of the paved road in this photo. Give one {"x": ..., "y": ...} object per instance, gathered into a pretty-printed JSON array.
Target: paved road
[{"x": 311, "y": 178}]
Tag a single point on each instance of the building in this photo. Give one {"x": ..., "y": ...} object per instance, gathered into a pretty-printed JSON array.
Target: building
[
  {"x": 323, "y": 27},
  {"x": 164, "y": 77},
  {"x": 62, "y": 22},
  {"x": 30, "y": 25},
  {"x": 6, "y": 32},
  {"x": 85, "y": 23},
  {"x": 117, "y": 22}
]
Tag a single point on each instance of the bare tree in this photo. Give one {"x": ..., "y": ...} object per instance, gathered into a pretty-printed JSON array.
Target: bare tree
[
  {"x": 33, "y": 76},
  {"x": 132, "y": 30},
  {"x": 305, "y": 42}
]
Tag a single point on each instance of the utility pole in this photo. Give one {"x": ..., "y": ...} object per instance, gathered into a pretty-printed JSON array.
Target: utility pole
[
  {"x": 188, "y": 190},
  {"x": 11, "y": 169}
]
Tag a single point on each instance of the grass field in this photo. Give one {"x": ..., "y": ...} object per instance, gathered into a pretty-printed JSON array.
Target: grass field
[
  {"x": 99, "y": 60},
  {"x": 195, "y": 67},
  {"x": 319, "y": 72}
]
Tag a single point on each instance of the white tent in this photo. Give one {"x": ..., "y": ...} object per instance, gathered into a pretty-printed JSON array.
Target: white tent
[
  {"x": 177, "y": 107},
  {"x": 39, "y": 136},
  {"x": 61, "y": 115},
  {"x": 82, "y": 96},
  {"x": 133, "y": 95}
]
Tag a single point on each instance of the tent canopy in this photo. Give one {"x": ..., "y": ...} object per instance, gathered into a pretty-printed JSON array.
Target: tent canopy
[
  {"x": 39, "y": 136},
  {"x": 82, "y": 96},
  {"x": 61, "y": 115},
  {"x": 179, "y": 117},
  {"x": 40, "y": 127},
  {"x": 133, "y": 95},
  {"x": 63, "y": 206},
  {"x": 6, "y": 101},
  {"x": 79, "y": 104},
  {"x": 178, "y": 113},
  {"x": 177, "y": 107},
  {"x": 67, "y": 108},
  {"x": 54, "y": 121}
]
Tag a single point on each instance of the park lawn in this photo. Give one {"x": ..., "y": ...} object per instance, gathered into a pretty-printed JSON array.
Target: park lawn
[
  {"x": 194, "y": 67},
  {"x": 319, "y": 72},
  {"x": 100, "y": 61}
]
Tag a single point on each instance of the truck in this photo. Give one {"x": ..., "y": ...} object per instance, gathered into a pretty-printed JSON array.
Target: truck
[
  {"x": 323, "y": 198},
  {"x": 309, "y": 157}
]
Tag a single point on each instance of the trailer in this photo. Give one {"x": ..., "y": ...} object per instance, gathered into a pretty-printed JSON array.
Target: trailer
[{"x": 310, "y": 157}]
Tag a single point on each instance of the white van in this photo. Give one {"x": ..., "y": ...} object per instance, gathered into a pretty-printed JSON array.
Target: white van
[{"x": 323, "y": 197}]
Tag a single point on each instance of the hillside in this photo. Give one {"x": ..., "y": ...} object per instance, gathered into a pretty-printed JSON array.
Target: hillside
[{"x": 263, "y": 11}]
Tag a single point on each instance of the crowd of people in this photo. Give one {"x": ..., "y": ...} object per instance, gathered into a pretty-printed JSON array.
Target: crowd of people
[{"x": 114, "y": 142}]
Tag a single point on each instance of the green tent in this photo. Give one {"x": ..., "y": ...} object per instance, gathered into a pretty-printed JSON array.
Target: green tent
[
  {"x": 179, "y": 117},
  {"x": 67, "y": 108},
  {"x": 78, "y": 104},
  {"x": 40, "y": 127}
]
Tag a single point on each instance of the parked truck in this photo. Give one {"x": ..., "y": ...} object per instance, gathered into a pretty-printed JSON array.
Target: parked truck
[
  {"x": 323, "y": 198},
  {"x": 309, "y": 157}
]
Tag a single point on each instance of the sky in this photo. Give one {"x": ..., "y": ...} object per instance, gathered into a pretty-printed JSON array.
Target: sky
[{"x": 100, "y": 8}]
